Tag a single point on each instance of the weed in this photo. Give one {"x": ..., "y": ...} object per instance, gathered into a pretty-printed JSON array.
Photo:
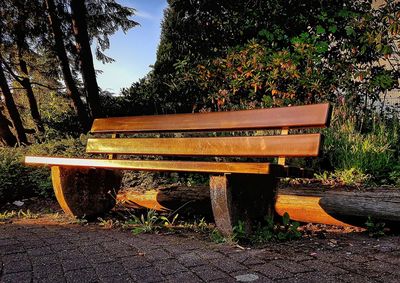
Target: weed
[
  {"x": 199, "y": 227},
  {"x": 217, "y": 237},
  {"x": 27, "y": 215},
  {"x": 375, "y": 229},
  {"x": 239, "y": 232},
  {"x": 145, "y": 223},
  {"x": 80, "y": 221},
  {"x": 4, "y": 216},
  {"x": 167, "y": 222},
  {"x": 108, "y": 223},
  {"x": 263, "y": 232},
  {"x": 360, "y": 157}
]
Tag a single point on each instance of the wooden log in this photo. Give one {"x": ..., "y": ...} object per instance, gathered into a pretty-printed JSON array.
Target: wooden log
[
  {"x": 241, "y": 197},
  {"x": 340, "y": 207},
  {"x": 85, "y": 192},
  {"x": 317, "y": 205}
]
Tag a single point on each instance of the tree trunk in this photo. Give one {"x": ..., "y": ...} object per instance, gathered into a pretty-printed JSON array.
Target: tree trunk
[
  {"x": 20, "y": 30},
  {"x": 72, "y": 89},
  {"x": 12, "y": 108},
  {"x": 6, "y": 136},
  {"x": 26, "y": 84},
  {"x": 79, "y": 24},
  {"x": 317, "y": 205}
]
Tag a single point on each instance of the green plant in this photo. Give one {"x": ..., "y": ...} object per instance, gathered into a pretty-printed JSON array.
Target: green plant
[
  {"x": 375, "y": 229},
  {"x": 271, "y": 231},
  {"x": 108, "y": 223},
  {"x": 264, "y": 232},
  {"x": 289, "y": 229},
  {"x": 6, "y": 215},
  {"x": 351, "y": 176},
  {"x": 217, "y": 237},
  {"x": 20, "y": 181},
  {"x": 145, "y": 223},
  {"x": 394, "y": 176},
  {"x": 27, "y": 214},
  {"x": 167, "y": 221},
  {"x": 239, "y": 232},
  {"x": 364, "y": 156},
  {"x": 78, "y": 220}
]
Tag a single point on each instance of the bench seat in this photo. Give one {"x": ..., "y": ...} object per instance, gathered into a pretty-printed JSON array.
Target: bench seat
[{"x": 162, "y": 165}]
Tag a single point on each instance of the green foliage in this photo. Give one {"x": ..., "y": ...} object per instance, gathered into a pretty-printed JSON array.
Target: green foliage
[
  {"x": 264, "y": 232},
  {"x": 329, "y": 53},
  {"x": 351, "y": 177},
  {"x": 359, "y": 157},
  {"x": 375, "y": 229},
  {"x": 270, "y": 231},
  {"x": 394, "y": 176},
  {"x": 18, "y": 180},
  {"x": 150, "y": 222}
]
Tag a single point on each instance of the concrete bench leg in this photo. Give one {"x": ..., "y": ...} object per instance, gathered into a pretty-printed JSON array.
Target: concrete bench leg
[
  {"x": 85, "y": 192},
  {"x": 244, "y": 197}
]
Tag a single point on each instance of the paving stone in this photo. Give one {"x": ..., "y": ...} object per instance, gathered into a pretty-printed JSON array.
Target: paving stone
[
  {"x": 81, "y": 275},
  {"x": 21, "y": 277},
  {"x": 209, "y": 254},
  {"x": 45, "y": 260},
  {"x": 357, "y": 278},
  {"x": 12, "y": 249},
  {"x": 272, "y": 271},
  {"x": 39, "y": 251},
  {"x": 157, "y": 254},
  {"x": 228, "y": 265},
  {"x": 191, "y": 259},
  {"x": 109, "y": 269},
  {"x": 169, "y": 266},
  {"x": 291, "y": 266},
  {"x": 209, "y": 273},
  {"x": 183, "y": 277},
  {"x": 89, "y": 254},
  {"x": 41, "y": 271},
  {"x": 15, "y": 257},
  {"x": 146, "y": 275},
  {"x": 74, "y": 264},
  {"x": 251, "y": 261},
  {"x": 8, "y": 242},
  {"x": 134, "y": 262},
  {"x": 121, "y": 278},
  {"x": 325, "y": 267},
  {"x": 311, "y": 277},
  {"x": 16, "y": 266}
]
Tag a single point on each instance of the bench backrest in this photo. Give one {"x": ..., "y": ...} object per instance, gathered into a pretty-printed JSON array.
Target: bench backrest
[{"x": 284, "y": 118}]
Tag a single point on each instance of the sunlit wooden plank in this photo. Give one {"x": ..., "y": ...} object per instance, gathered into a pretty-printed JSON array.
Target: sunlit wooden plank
[
  {"x": 255, "y": 146},
  {"x": 160, "y": 165},
  {"x": 308, "y": 116}
]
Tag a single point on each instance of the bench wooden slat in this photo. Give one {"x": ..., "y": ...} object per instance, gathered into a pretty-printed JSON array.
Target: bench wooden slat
[
  {"x": 308, "y": 116},
  {"x": 161, "y": 165},
  {"x": 254, "y": 146}
]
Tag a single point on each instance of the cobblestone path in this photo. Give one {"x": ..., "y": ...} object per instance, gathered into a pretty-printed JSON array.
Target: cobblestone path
[{"x": 46, "y": 251}]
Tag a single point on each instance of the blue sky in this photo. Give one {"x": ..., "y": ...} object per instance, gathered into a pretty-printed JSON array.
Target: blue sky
[{"x": 134, "y": 51}]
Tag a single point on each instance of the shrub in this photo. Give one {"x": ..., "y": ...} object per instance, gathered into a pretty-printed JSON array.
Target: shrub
[{"x": 18, "y": 181}]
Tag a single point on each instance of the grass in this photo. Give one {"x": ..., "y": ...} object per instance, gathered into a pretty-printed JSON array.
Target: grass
[
  {"x": 7, "y": 215},
  {"x": 362, "y": 157}
]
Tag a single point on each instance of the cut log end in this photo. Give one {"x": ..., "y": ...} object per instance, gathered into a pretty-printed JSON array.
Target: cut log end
[{"x": 85, "y": 192}]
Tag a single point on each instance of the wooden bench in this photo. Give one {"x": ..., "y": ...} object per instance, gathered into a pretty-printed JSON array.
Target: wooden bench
[{"x": 240, "y": 190}]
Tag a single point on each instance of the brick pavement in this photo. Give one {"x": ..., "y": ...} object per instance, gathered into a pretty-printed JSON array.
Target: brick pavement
[{"x": 47, "y": 251}]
